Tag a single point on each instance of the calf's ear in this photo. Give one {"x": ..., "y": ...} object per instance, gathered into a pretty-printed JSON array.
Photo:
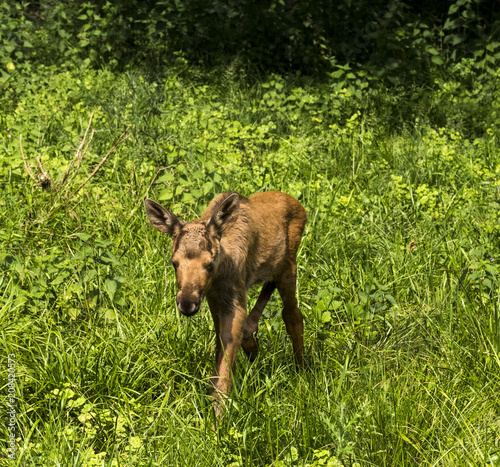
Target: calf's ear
[
  {"x": 162, "y": 219},
  {"x": 226, "y": 213}
]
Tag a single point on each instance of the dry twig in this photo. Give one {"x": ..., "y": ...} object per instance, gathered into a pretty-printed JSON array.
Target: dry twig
[
  {"x": 79, "y": 153},
  {"x": 26, "y": 165},
  {"x": 66, "y": 180},
  {"x": 119, "y": 141}
]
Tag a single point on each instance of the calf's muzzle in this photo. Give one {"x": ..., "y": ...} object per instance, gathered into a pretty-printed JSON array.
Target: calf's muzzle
[{"x": 188, "y": 304}]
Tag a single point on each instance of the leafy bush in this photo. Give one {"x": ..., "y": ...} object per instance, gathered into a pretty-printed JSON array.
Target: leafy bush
[{"x": 398, "y": 40}]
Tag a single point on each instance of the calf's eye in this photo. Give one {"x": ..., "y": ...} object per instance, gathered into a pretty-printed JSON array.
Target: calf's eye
[{"x": 210, "y": 266}]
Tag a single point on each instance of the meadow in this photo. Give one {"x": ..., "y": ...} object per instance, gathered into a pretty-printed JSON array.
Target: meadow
[{"x": 398, "y": 268}]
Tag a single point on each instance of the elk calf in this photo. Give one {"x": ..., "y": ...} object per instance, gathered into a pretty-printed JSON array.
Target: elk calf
[{"x": 237, "y": 243}]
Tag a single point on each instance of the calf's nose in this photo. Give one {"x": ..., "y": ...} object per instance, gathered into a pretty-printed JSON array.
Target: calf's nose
[{"x": 188, "y": 306}]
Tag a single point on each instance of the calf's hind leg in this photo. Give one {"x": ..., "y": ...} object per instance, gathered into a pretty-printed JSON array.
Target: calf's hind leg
[
  {"x": 249, "y": 344},
  {"x": 292, "y": 316}
]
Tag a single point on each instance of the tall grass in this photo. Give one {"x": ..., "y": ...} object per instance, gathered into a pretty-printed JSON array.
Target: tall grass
[{"x": 398, "y": 283}]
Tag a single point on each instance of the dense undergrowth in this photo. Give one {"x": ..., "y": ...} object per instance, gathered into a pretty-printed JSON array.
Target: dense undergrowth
[
  {"x": 398, "y": 272},
  {"x": 398, "y": 267}
]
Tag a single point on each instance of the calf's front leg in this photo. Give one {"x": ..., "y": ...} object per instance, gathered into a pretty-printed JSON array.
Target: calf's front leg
[{"x": 230, "y": 324}]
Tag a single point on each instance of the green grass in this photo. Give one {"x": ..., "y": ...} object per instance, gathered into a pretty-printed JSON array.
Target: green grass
[{"x": 398, "y": 279}]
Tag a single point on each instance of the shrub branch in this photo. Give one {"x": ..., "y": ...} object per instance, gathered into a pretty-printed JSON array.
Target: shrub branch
[{"x": 63, "y": 186}]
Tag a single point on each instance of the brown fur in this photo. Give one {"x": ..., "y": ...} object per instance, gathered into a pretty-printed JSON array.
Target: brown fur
[{"x": 237, "y": 243}]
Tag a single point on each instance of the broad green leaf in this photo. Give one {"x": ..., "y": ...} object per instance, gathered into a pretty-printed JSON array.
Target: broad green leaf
[
  {"x": 165, "y": 194},
  {"x": 326, "y": 317},
  {"x": 110, "y": 286},
  {"x": 83, "y": 236}
]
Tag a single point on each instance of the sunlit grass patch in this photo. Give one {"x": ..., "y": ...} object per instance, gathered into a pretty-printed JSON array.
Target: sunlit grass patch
[{"x": 398, "y": 283}]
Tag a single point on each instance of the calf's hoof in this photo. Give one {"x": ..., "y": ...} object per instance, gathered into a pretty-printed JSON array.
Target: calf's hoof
[{"x": 250, "y": 347}]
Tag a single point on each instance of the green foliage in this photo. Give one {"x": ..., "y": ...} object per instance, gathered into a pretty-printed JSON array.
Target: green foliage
[
  {"x": 67, "y": 33},
  {"x": 398, "y": 267},
  {"x": 15, "y": 36},
  {"x": 69, "y": 285},
  {"x": 400, "y": 41}
]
